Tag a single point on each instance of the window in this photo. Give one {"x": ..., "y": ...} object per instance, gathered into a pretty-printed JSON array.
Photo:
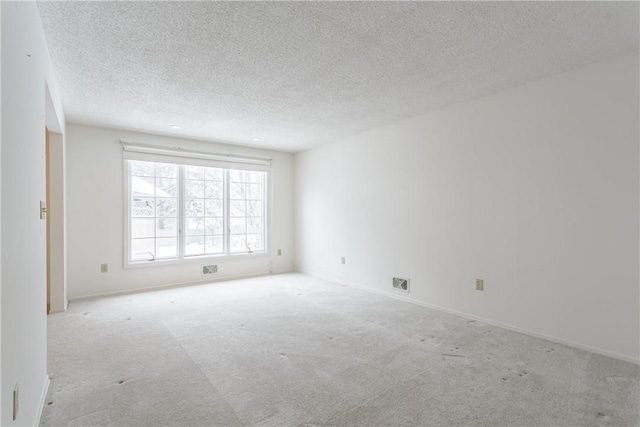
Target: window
[
  {"x": 204, "y": 210},
  {"x": 153, "y": 210},
  {"x": 180, "y": 210}
]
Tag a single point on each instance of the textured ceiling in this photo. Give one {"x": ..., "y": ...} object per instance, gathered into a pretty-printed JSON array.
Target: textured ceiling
[{"x": 298, "y": 74}]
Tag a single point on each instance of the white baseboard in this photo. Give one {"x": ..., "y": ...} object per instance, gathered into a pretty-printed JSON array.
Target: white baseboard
[
  {"x": 169, "y": 286},
  {"x": 43, "y": 398},
  {"x": 569, "y": 343}
]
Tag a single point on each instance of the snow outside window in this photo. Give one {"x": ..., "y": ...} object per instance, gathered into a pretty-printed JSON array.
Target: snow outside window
[{"x": 179, "y": 211}]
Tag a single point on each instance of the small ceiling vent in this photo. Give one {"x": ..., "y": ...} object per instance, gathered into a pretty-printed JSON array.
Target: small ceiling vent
[
  {"x": 401, "y": 284},
  {"x": 209, "y": 269}
]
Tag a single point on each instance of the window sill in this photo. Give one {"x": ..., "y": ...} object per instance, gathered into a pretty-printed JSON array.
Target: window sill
[{"x": 195, "y": 260}]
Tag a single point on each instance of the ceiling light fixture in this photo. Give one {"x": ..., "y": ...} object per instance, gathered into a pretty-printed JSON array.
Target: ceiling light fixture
[
  {"x": 174, "y": 127},
  {"x": 255, "y": 139}
]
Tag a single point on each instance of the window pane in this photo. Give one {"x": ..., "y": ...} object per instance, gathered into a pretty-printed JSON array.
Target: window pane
[
  {"x": 166, "y": 170},
  {"x": 142, "y": 249},
  {"x": 194, "y": 208},
  {"x": 167, "y": 227},
  {"x": 194, "y": 189},
  {"x": 237, "y": 225},
  {"x": 213, "y": 226},
  {"x": 143, "y": 186},
  {"x": 254, "y": 225},
  {"x": 213, "y": 244},
  {"x": 237, "y": 176},
  {"x": 139, "y": 168},
  {"x": 255, "y": 177},
  {"x": 254, "y": 242},
  {"x": 214, "y": 174},
  {"x": 246, "y": 211},
  {"x": 142, "y": 207},
  {"x": 237, "y": 191},
  {"x": 194, "y": 172},
  {"x": 166, "y": 187},
  {"x": 194, "y": 245},
  {"x": 254, "y": 208},
  {"x": 254, "y": 191},
  {"x": 238, "y": 243},
  {"x": 213, "y": 190},
  {"x": 195, "y": 227},
  {"x": 167, "y": 208},
  {"x": 237, "y": 208},
  {"x": 142, "y": 227},
  {"x": 166, "y": 247},
  {"x": 213, "y": 207}
]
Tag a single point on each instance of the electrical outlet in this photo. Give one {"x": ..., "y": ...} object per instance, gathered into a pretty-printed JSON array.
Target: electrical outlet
[
  {"x": 104, "y": 268},
  {"x": 16, "y": 401},
  {"x": 344, "y": 260},
  {"x": 279, "y": 252},
  {"x": 479, "y": 285}
]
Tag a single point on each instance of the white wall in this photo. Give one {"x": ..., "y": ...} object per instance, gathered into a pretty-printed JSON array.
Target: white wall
[
  {"x": 26, "y": 69},
  {"x": 534, "y": 190},
  {"x": 96, "y": 214}
]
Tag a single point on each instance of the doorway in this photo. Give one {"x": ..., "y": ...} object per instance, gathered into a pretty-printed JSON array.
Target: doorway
[
  {"x": 48, "y": 222},
  {"x": 55, "y": 211}
]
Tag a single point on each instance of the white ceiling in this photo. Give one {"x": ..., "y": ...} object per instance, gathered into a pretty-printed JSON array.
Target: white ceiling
[{"x": 298, "y": 74}]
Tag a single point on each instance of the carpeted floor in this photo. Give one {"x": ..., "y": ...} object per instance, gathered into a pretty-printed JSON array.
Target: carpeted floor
[{"x": 291, "y": 350}]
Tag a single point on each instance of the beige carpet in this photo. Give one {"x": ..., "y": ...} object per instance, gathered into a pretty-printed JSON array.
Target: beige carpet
[{"x": 293, "y": 350}]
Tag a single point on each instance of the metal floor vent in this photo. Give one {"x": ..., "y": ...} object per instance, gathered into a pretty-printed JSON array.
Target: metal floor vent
[
  {"x": 209, "y": 269},
  {"x": 401, "y": 284}
]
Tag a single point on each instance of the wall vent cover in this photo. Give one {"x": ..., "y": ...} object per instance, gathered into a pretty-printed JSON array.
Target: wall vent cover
[
  {"x": 209, "y": 269},
  {"x": 401, "y": 284}
]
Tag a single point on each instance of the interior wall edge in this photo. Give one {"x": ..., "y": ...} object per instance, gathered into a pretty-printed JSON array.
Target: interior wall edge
[{"x": 43, "y": 398}]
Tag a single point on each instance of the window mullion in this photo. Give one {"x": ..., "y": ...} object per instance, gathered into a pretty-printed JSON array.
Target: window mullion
[
  {"x": 181, "y": 219},
  {"x": 129, "y": 212},
  {"x": 264, "y": 183},
  {"x": 155, "y": 211},
  {"x": 227, "y": 208},
  {"x": 246, "y": 212}
]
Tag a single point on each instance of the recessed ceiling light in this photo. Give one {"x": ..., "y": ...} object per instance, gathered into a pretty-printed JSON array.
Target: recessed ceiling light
[
  {"x": 174, "y": 127},
  {"x": 255, "y": 139}
]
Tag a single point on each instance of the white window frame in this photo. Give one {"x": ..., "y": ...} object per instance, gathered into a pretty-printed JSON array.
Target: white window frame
[{"x": 180, "y": 156}]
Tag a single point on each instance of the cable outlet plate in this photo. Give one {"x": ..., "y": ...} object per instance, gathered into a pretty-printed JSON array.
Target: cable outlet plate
[{"x": 479, "y": 285}]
